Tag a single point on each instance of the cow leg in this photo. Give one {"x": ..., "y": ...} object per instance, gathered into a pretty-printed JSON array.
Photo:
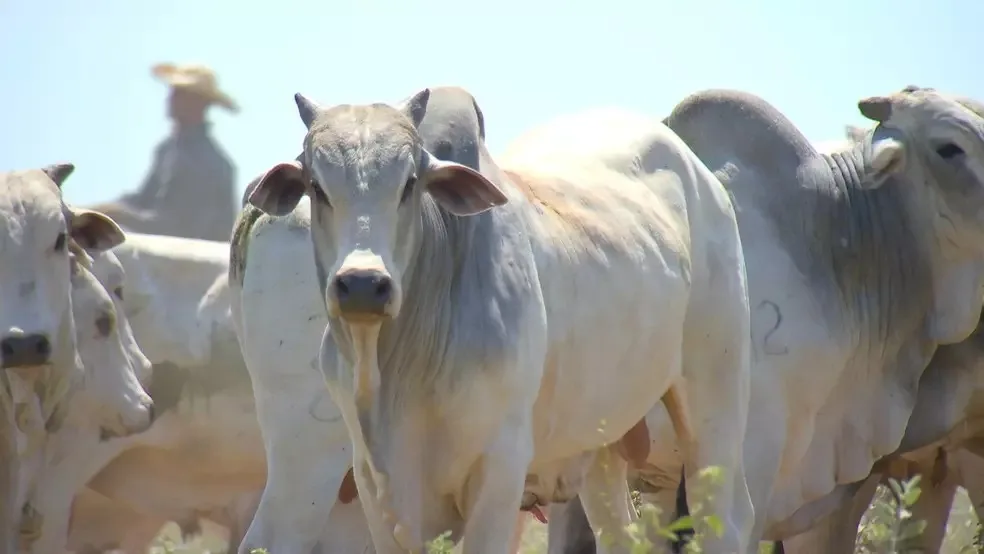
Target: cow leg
[
  {"x": 667, "y": 502},
  {"x": 240, "y": 515},
  {"x": 306, "y": 463},
  {"x": 606, "y": 501},
  {"x": 970, "y": 467},
  {"x": 63, "y": 480},
  {"x": 838, "y": 531},
  {"x": 517, "y": 539},
  {"x": 938, "y": 486},
  {"x": 568, "y": 530},
  {"x": 711, "y": 403},
  {"x": 708, "y": 415},
  {"x": 495, "y": 488}
]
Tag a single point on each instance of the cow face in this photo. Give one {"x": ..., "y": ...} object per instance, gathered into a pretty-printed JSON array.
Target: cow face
[
  {"x": 113, "y": 361},
  {"x": 937, "y": 140},
  {"x": 35, "y": 227},
  {"x": 372, "y": 187}
]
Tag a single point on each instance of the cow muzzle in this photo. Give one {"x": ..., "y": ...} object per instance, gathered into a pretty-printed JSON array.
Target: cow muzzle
[
  {"x": 362, "y": 295},
  {"x": 22, "y": 350}
]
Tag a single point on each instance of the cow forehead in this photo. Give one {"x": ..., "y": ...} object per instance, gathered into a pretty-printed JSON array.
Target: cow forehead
[
  {"x": 360, "y": 143},
  {"x": 937, "y": 105},
  {"x": 108, "y": 269},
  {"x": 32, "y": 185},
  {"x": 973, "y": 105},
  {"x": 29, "y": 201},
  {"x": 90, "y": 292}
]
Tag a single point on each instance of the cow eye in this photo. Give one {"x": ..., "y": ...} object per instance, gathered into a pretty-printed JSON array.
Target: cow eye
[
  {"x": 408, "y": 189},
  {"x": 104, "y": 324},
  {"x": 949, "y": 151},
  {"x": 60, "y": 242},
  {"x": 118, "y": 291}
]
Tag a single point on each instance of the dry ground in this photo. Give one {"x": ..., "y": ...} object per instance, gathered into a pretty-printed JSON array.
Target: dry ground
[{"x": 960, "y": 534}]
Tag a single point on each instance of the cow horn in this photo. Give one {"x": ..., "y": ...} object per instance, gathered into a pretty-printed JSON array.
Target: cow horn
[
  {"x": 58, "y": 172},
  {"x": 876, "y": 108},
  {"x": 307, "y": 108}
]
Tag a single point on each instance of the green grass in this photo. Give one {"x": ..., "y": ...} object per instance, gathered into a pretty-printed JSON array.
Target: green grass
[{"x": 878, "y": 522}]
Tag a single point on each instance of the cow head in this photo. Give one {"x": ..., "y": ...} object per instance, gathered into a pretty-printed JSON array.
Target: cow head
[
  {"x": 372, "y": 185},
  {"x": 114, "y": 364},
  {"x": 936, "y": 140},
  {"x": 36, "y": 327}
]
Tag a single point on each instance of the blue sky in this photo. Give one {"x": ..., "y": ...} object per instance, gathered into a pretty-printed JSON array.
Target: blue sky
[{"x": 76, "y": 82}]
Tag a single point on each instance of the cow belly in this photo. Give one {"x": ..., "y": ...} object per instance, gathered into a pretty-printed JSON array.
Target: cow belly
[{"x": 608, "y": 373}]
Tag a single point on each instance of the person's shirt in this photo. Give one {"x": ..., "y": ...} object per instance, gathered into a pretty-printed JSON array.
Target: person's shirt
[{"x": 191, "y": 186}]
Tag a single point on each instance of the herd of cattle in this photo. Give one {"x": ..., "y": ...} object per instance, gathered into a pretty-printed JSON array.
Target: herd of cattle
[{"x": 406, "y": 336}]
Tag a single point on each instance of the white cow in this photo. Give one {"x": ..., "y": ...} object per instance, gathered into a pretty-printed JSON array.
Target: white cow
[
  {"x": 942, "y": 442},
  {"x": 951, "y": 395},
  {"x": 38, "y": 347},
  {"x": 114, "y": 366},
  {"x": 204, "y": 453},
  {"x": 167, "y": 279},
  {"x": 860, "y": 263},
  {"x": 438, "y": 352},
  {"x": 280, "y": 321}
]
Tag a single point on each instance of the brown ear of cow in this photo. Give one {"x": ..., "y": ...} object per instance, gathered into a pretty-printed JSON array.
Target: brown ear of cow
[
  {"x": 279, "y": 189},
  {"x": 460, "y": 189},
  {"x": 93, "y": 230}
]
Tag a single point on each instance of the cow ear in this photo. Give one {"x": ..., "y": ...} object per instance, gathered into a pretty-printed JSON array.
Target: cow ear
[
  {"x": 885, "y": 159},
  {"x": 855, "y": 133},
  {"x": 460, "y": 189},
  {"x": 279, "y": 189},
  {"x": 58, "y": 172},
  {"x": 93, "y": 230}
]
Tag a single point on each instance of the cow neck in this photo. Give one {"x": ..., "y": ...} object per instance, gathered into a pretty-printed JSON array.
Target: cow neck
[
  {"x": 881, "y": 255},
  {"x": 415, "y": 343}
]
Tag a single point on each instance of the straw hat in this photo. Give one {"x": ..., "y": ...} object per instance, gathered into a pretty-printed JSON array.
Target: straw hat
[{"x": 196, "y": 78}]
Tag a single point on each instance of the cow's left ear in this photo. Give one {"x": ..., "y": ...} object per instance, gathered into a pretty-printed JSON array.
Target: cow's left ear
[
  {"x": 93, "y": 230},
  {"x": 885, "y": 159},
  {"x": 459, "y": 189},
  {"x": 279, "y": 189}
]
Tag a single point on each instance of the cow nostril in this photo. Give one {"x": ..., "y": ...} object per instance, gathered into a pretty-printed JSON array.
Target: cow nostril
[
  {"x": 341, "y": 289},
  {"x": 43, "y": 346},
  {"x": 384, "y": 289}
]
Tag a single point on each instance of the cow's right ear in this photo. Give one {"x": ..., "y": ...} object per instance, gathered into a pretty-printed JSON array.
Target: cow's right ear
[{"x": 279, "y": 189}]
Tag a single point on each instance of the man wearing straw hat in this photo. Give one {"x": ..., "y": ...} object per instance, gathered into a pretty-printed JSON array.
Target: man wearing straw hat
[{"x": 190, "y": 189}]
